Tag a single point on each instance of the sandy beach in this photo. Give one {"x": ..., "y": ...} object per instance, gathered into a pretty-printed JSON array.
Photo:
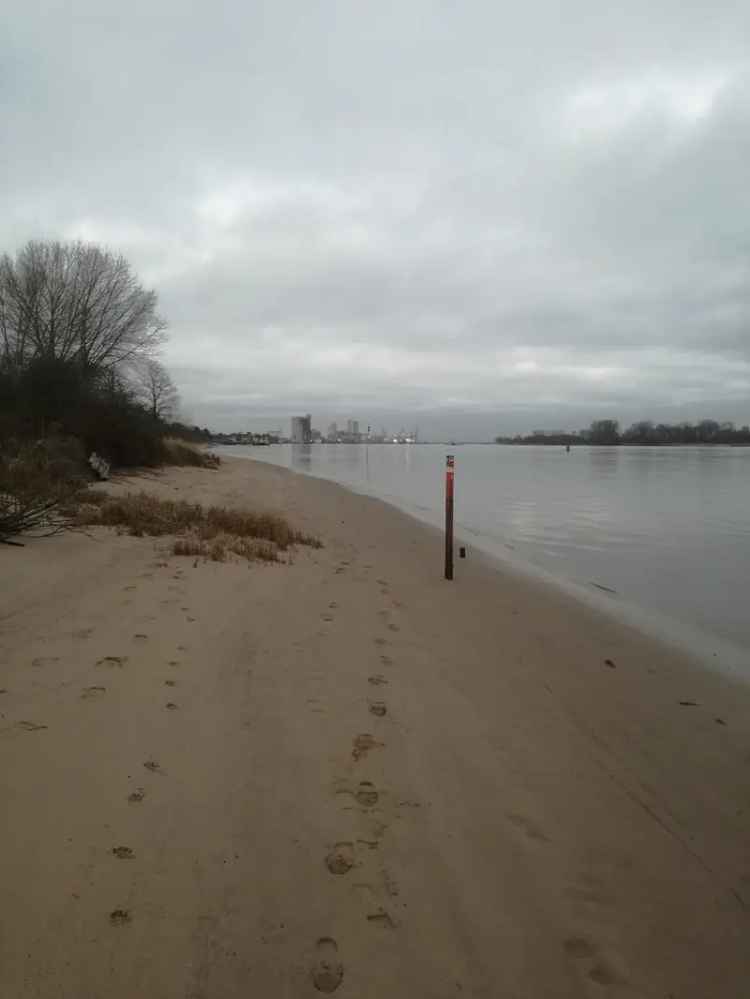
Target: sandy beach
[{"x": 344, "y": 774}]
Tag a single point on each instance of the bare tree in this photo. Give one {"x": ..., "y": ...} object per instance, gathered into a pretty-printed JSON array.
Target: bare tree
[
  {"x": 156, "y": 390},
  {"x": 75, "y": 301}
]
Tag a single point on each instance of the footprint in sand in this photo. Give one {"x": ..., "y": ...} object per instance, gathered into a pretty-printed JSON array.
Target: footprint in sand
[
  {"x": 120, "y": 917},
  {"x": 170, "y": 683},
  {"x": 604, "y": 970},
  {"x": 82, "y": 633},
  {"x": 362, "y": 745},
  {"x": 170, "y": 706},
  {"x": 28, "y": 726},
  {"x": 140, "y": 637},
  {"x": 377, "y": 680},
  {"x": 393, "y": 627},
  {"x": 137, "y": 796},
  {"x": 391, "y": 885},
  {"x": 92, "y": 693},
  {"x": 409, "y": 803},
  {"x": 378, "y": 708},
  {"x": 382, "y": 582},
  {"x": 382, "y": 920},
  {"x": 123, "y": 852},
  {"x": 366, "y": 795},
  {"x": 112, "y": 661},
  {"x": 527, "y": 826},
  {"x": 127, "y": 589},
  {"x": 341, "y": 858},
  {"x": 603, "y": 973},
  {"x": 327, "y": 617},
  {"x": 153, "y": 766},
  {"x": 380, "y": 641},
  {"x": 327, "y": 971},
  {"x": 41, "y": 661},
  {"x": 386, "y": 660}
]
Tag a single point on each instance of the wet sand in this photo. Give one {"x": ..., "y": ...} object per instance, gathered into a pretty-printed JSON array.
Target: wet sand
[{"x": 344, "y": 774}]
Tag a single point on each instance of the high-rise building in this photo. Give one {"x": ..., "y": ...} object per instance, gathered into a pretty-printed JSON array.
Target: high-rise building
[
  {"x": 333, "y": 432},
  {"x": 352, "y": 427},
  {"x": 301, "y": 429}
]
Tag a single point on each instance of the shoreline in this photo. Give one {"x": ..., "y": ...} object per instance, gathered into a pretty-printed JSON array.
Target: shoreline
[
  {"x": 703, "y": 647},
  {"x": 481, "y": 787}
]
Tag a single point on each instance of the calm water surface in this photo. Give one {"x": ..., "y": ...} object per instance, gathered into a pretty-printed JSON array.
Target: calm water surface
[{"x": 668, "y": 529}]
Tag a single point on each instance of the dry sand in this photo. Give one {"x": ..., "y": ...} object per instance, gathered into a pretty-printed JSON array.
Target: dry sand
[{"x": 371, "y": 781}]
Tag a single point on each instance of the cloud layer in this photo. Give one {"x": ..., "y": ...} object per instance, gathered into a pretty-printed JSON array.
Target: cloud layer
[{"x": 475, "y": 217}]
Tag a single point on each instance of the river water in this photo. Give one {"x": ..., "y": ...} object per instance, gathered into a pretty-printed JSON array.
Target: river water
[{"x": 663, "y": 530}]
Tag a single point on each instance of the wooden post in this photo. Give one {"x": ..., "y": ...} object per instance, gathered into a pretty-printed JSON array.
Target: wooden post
[{"x": 449, "y": 516}]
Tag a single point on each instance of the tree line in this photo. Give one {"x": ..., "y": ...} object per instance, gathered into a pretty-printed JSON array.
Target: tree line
[
  {"x": 643, "y": 432},
  {"x": 79, "y": 353}
]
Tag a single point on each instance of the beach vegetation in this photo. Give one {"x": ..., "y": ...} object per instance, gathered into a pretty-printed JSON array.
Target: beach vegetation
[
  {"x": 209, "y": 532},
  {"x": 36, "y": 481},
  {"x": 79, "y": 342},
  {"x": 181, "y": 452}
]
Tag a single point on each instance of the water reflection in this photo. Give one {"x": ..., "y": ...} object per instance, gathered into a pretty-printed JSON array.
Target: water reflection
[
  {"x": 667, "y": 528},
  {"x": 301, "y": 457},
  {"x": 604, "y": 460}
]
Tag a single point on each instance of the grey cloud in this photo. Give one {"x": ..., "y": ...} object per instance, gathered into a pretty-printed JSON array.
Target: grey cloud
[{"x": 486, "y": 217}]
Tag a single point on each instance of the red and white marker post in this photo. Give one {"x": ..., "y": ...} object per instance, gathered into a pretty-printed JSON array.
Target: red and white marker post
[{"x": 449, "y": 463}]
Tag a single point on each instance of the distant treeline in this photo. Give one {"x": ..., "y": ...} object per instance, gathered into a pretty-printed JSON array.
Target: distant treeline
[{"x": 643, "y": 432}]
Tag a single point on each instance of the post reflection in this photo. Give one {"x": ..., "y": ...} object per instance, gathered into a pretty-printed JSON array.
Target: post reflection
[{"x": 301, "y": 457}]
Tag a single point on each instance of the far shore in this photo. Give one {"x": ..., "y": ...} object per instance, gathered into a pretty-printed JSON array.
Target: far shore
[{"x": 342, "y": 773}]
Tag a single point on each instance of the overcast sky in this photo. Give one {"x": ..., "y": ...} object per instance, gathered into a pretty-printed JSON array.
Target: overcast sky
[{"x": 473, "y": 216}]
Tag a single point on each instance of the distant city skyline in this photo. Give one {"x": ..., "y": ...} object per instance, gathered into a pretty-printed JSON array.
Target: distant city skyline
[
  {"x": 302, "y": 431},
  {"x": 440, "y": 426}
]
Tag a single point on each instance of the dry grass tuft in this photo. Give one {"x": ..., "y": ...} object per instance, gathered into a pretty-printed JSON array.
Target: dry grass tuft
[
  {"x": 212, "y": 533},
  {"x": 221, "y": 547},
  {"x": 188, "y": 546},
  {"x": 177, "y": 452}
]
